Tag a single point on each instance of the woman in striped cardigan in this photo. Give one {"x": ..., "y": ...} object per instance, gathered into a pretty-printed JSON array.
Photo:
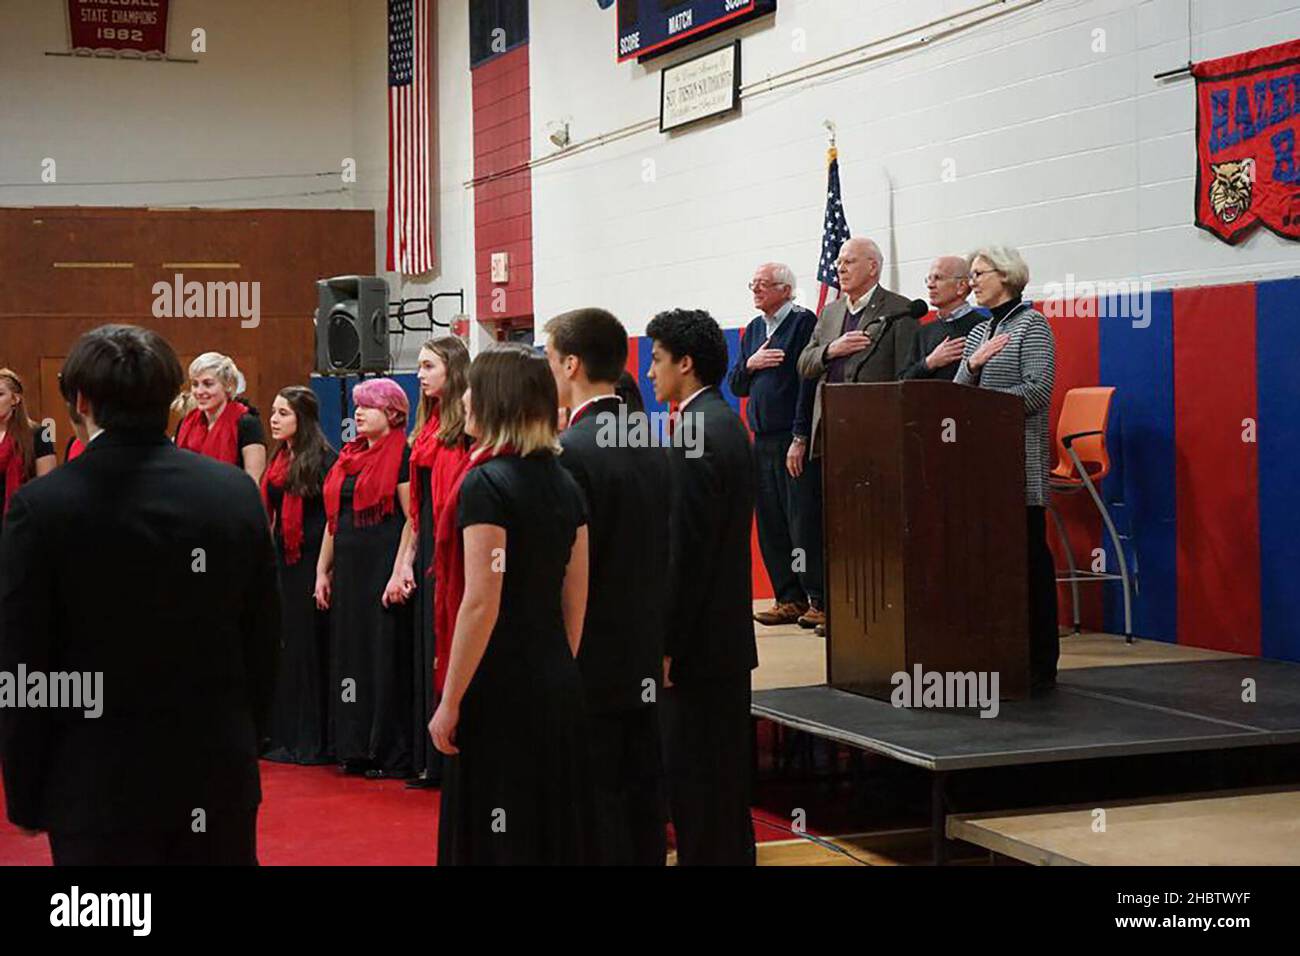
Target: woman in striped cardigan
[{"x": 1015, "y": 352}]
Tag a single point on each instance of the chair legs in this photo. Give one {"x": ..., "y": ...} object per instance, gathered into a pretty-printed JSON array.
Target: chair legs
[
  {"x": 1114, "y": 539},
  {"x": 1069, "y": 559}
]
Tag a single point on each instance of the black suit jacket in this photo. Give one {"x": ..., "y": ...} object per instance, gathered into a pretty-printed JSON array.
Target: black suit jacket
[
  {"x": 627, "y": 511},
  {"x": 710, "y": 628},
  {"x": 100, "y": 572},
  {"x": 928, "y": 338}
]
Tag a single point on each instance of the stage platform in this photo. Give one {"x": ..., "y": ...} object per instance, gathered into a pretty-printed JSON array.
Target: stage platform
[
  {"x": 1113, "y": 700},
  {"x": 1095, "y": 712},
  {"x": 1253, "y": 828}
]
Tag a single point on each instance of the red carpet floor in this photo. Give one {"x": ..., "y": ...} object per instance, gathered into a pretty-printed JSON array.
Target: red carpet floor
[{"x": 315, "y": 816}]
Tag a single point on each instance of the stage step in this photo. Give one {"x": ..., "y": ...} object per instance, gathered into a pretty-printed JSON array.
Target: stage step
[{"x": 1241, "y": 828}]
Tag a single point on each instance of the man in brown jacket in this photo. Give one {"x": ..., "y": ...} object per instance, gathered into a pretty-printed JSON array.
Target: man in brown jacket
[{"x": 863, "y": 336}]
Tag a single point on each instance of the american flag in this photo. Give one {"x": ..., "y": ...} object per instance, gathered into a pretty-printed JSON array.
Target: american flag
[
  {"x": 835, "y": 231},
  {"x": 410, "y": 242}
]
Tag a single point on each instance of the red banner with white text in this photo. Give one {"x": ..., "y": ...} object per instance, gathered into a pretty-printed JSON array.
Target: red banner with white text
[{"x": 138, "y": 26}]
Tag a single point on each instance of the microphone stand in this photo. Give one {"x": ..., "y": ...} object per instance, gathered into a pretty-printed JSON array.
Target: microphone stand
[{"x": 888, "y": 323}]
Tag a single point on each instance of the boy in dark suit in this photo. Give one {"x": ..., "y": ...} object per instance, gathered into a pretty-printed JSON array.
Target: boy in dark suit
[
  {"x": 709, "y": 638},
  {"x": 154, "y": 568},
  {"x": 622, "y": 636}
]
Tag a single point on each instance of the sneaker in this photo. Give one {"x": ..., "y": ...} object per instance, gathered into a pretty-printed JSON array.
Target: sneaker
[
  {"x": 812, "y": 617},
  {"x": 781, "y": 613}
]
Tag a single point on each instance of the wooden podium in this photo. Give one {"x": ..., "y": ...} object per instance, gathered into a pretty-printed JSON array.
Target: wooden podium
[{"x": 924, "y": 510}]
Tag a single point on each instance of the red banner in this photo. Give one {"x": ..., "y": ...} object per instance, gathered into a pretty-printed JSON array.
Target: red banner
[
  {"x": 1247, "y": 123},
  {"x": 139, "y": 26}
]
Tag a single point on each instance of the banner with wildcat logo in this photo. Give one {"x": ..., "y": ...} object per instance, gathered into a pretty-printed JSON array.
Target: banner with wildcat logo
[{"x": 1247, "y": 124}]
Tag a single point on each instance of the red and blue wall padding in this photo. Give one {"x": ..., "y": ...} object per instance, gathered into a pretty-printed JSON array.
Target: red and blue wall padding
[{"x": 1211, "y": 520}]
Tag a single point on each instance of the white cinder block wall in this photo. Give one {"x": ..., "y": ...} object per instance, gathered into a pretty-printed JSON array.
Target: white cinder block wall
[
  {"x": 272, "y": 96},
  {"x": 1076, "y": 156},
  {"x": 286, "y": 90},
  {"x": 1072, "y": 153}
]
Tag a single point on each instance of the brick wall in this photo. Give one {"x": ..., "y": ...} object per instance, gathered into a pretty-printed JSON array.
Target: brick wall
[{"x": 503, "y": 217}]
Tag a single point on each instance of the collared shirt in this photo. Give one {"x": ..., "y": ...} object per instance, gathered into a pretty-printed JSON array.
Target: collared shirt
[
  {"x": 682, "y": 406},
  {"x": 98, "y": 432},
  {"x": 857, "y": 305},
  {"x": 773, "y": 322},
  {"x": 573, "y": 415},
  {"x": 963, "y": 308}
]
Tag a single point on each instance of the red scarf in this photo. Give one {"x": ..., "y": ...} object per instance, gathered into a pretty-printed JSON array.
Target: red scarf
[
  {"x": 377, "y": 467},
  {"x": 290, "y": 504},
  {"x": 449, "y": 564},
  {"x": 423, "y": 453},
  {"x": 11, "y": 466},
  {"x": 220, "y": 440}
]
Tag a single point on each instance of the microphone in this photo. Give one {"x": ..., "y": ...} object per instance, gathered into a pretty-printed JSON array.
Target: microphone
[{"x": 916, "y": 309}]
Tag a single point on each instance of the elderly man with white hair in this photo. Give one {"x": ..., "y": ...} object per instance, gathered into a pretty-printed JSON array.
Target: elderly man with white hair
[
  {"x": 1014, "y": 351},
  {"x": 863, "y": 336},
  {"x": 780, "y": 416},
  {"x": 938, "y": 346}
]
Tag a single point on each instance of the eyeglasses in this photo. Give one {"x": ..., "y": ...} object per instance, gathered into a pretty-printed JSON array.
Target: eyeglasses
[
  {"x": 975, "y": 276},
  {"x": 937, "y": 279},
  {"x": 758, "y": 285}
]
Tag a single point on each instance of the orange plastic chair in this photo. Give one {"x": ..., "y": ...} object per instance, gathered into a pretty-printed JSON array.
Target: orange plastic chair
[{"x": 1082, "y": 462}]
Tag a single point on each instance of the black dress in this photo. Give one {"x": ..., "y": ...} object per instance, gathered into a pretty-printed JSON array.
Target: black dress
[
  {"x": 519, "y": 790},
  {"x": 370, "y": 645},
  {"x": 300, "y": 710},
  {"x": 250, "y": 431},
  {"x": 428, "y": 762}
]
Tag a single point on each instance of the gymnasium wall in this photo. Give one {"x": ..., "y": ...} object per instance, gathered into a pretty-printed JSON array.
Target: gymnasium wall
[
  {"x": 65, "y": 270},
  {"x": 272, "y": 96},
  {"x": 285, "y": 91},
  {"x": 1078, "y": 157},
  {"x": 1043, "y": 129},
  {"x": 1205, "y": 443}
]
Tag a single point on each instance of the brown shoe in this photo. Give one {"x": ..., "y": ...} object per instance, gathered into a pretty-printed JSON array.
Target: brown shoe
[
  {"x": 787, "y": 613},
  {"x": 812, "y": 617}
]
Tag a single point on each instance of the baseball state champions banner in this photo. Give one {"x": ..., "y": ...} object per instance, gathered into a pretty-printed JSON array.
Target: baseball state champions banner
[
  {"x": 1247, "y": 123},
  {"x": 138, "y": 26}
]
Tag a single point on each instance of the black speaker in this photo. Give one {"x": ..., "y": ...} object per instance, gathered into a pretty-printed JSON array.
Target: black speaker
[{"x": 352, "y": 325}]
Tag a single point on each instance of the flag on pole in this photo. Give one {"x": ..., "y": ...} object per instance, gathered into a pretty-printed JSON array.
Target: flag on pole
[
  {"x": 410, "y": 241},
  {"x": 835, "y": 231}
]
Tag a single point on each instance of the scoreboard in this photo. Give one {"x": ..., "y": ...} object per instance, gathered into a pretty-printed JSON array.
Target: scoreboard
[{"x": 650, "y": 27}]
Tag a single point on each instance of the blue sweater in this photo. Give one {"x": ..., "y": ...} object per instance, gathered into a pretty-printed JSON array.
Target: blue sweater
[{"x": 780, "y": 402}]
